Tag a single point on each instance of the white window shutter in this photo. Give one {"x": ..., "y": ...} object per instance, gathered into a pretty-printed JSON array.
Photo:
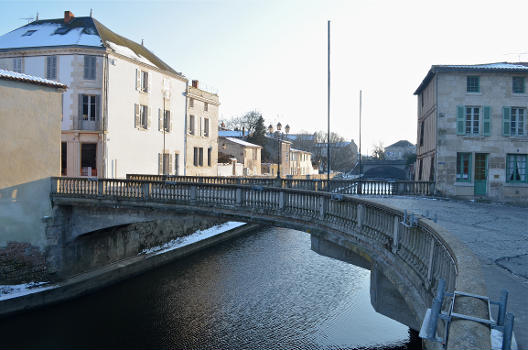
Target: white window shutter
[
  {"x": 149, "y": 79},
  {"x": 137, "y": 121},
  {"x": 170, "y": 163},
  {"x": 148, "y": 117},
  {"x": 160, "y": 163},
  {"x": 160, "y": 120},
  {"x": 138, "y": 79}
]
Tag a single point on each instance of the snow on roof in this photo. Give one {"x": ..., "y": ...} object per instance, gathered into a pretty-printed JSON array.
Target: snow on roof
[
  {"x": 80, "y": 31},
  {"x": 401, "y": 143},
  {"x": 299, "y": 150},
  {"x": 241, "y": 142},
  {"x": 9, "y": 75},
  {"x": 519, "y": 67},
  {"x": 52, "y": 33}
]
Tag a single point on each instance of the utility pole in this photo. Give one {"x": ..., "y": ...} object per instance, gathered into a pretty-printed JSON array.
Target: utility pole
[
  {"x": 328, "y": 109},
  {"x": 360, "y": 96}
]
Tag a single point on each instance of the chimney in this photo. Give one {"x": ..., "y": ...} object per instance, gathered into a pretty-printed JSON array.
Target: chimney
[
  {"x": 68, "y": 16},
  {"x": 195, "y": 84}
]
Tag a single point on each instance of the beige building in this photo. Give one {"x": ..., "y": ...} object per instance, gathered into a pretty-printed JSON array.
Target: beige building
[
  {"x": 30, "y": 112},
  {"x": 301, "y": 162},
  {"x": 202, "y": 132},
  {"x": 472, "y": 131},
  {"x": 246, "y": 153}
]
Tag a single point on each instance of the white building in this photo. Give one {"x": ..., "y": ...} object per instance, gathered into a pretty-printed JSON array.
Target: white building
[{"x": 124, "y": 110}]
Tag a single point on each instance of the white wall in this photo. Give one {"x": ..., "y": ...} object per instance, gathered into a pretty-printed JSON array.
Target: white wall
[{"x": 135, "y": 150}]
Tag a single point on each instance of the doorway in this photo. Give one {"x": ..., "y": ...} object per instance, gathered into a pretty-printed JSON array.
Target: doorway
[{"x": 481, "y": 173}]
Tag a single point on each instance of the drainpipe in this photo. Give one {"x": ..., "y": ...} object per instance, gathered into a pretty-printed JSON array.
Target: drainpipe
[
  {"x": 104, "y": 120},
  {"x": 185, "y": 131}
]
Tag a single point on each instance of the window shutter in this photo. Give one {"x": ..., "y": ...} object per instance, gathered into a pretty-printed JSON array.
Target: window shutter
[
  {"x": 160, "y": 164},
  {"x": 170, "y": 122},
  {"x": 137, "y": 121},
  {"x": 98, "y": 107},
  {"x": 460, "y": 120},
  {"x": 86, "y": 67},
  {"x": 487, "y": 121},
  {"x": 138, "y": 79},
  {"x": 79, "y": 119},
  {"x": 170, "y": 162},
  {"x": 93, "y": 64},
  {"x": 506, "y": 121},
  {"x": 149, "y": 82},
  {"x": 148, "y": 117},
  {"x": 160, "y": 120}
]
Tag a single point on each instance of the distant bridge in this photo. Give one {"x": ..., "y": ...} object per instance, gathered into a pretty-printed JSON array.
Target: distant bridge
[{"x": 413, "y": 256}]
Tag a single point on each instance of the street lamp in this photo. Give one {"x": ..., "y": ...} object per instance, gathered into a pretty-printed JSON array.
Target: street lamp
[{"x": 279, "y": 143}]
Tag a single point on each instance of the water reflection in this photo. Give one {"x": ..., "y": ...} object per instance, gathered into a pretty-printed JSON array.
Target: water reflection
[{"x": 267, "y": 290}]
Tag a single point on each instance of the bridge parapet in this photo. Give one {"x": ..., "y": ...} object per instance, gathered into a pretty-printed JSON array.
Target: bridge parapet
[
  {"x": 426, "y": 252},
  {"x": 355, "y": 186}
]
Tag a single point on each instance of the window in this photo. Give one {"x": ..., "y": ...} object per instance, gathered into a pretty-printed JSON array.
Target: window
[
  {"x": 176, "y": 163},
  {"x": 17, "y": 64},
  {"x": 517, "y": 121},
  {"x": 51, "y": 67},
  {"x": 88, "y": 107},
  {"x": 206, "y": 126},
  {"x": 518, "y": 85},
  {"x": 422, "y": 133},
  {"x": 473, "y": 84},
  {"x": 64, "y": 158},
  {"x": 88, "y": 159},
  {"x": 191, "y": 102},
  {"x": 516, "y": 168},
  {"x": 420, "y": 170},
  {"x": 472, "y": 120},
  {"x": 29, "y": 33},
  {"x": 463, "y": 167},
  {"x": 143, "y": 116},
  {"x": 167, "y": 122},
  {"x": 198, "y": 156},
  {"x": 206, "y": 106},
  {"x": 166, "y": 161},
  {"x": 144, "y": 81},
  {"x": 209, "y": 155},
  {"x": 191, "y": 124},
  {"x": 89, "y": 67}
]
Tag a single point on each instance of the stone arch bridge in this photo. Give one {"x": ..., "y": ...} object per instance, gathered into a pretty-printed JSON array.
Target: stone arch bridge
[{"x": 412, "y": 257}]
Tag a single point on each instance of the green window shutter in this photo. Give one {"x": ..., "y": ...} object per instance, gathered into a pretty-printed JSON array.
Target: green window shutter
[
  {"x": 460, "y": 120},
  {"x": 470, "y": 166},
  {"x": 487, "y": 121},
  {"x": 506, "y": 121}
]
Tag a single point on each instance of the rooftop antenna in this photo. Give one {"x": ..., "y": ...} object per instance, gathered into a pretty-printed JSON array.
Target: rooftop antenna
[
  {"x": 28, "y": 19},
  {"x": 142, "y": 42},
  {"x": 36, "y": 19},
  {"x": 91, "y": 12}
]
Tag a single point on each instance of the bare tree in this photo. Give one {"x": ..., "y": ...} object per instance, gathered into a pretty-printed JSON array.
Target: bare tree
[
  {"x": 247, "y": 122},
  {"x": 379, "y": 151}
]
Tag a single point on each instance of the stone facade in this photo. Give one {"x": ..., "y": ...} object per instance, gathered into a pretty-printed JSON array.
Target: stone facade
[
  {"x": 301, "y": 162},
  {"x": 202, "y": 132},
  {"x": 246, "y": 153},
  {"x": 30, "y": 153},
  {"x": 465, "y": 127}
]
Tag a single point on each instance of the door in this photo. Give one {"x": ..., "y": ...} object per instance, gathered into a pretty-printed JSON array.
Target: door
[{"x": 481, "y": 173}]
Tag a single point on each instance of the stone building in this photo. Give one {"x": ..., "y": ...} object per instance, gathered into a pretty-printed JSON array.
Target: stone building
[
  {"x": 202, "y": 132},
  {"x": 301, "y": 162},
  {"x": 246, "y": 153},
  {"x": 399, "y": 150},
  {"x": 30, "y": 111},
  {"x": 472, "y": 130},
  {"x": 124, "y": 110}
]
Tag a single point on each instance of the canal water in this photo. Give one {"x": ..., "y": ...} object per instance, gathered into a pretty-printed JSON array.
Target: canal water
[{"x": 266, "y": 290}]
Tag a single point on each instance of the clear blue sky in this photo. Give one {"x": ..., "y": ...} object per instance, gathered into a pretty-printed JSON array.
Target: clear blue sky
[{"x": 271, "y": 55}]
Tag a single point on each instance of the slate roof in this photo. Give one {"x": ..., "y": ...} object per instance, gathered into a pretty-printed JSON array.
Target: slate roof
[
  {"x": 79, "y": 32},
  {"x": 518, "y": 67},
  {"x": 9, "y": 75},
  {"x": 401, "y": 143}
]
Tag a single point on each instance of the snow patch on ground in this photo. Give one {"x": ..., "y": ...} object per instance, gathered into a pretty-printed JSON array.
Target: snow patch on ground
[
  {"x": 10, "y": 291},
  {"x": 195, "y": 237},
  {"x": 496, "y": 340}
]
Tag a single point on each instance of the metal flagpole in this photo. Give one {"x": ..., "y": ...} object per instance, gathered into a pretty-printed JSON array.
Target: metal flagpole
[
  {"x": 328, "y": 105},
  {"x": 360, "y": 93}
]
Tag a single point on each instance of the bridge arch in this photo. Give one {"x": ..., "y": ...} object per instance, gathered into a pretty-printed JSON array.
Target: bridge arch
[{"x": 413, "y": 258}]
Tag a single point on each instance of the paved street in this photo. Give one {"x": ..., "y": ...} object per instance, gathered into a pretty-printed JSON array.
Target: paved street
[{"x": 498, "y": 234}]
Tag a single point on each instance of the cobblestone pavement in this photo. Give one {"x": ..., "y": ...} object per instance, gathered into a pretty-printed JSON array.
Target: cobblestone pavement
[{"x": 498, "y": 235}]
